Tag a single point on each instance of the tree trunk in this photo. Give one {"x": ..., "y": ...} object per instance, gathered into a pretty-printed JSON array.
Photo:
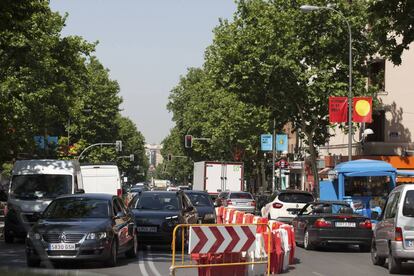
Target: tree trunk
[{"x": 314, "y": 167}]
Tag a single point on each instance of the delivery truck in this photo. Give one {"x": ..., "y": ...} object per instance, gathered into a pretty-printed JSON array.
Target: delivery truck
[{"x": 215, "y": 177}]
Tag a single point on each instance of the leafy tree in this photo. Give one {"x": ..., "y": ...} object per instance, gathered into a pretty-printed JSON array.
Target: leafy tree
[
  {"x": 274, "y": 56},
  {"x": 392, "y": 26}
]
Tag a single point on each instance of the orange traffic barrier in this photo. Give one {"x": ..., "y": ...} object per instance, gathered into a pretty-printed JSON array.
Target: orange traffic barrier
[
  {"x": 292, "y": 243},
  {"x": 239, "y": 217},
  {"x": 230, "y": 214},
  {"x": 248, "y": 218}
]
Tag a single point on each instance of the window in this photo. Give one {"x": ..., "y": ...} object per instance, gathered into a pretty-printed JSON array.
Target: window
[
  {"x": 295, "y": 197},
  {"x": 408, "y": 209},
  {"x": 376, "y": 186},
  {"x": 392, "y": 206},
  {"x": 162, "y": 201},
  {"x": 241, "y": 196},
  {"x": 378, "y": 126},
  {"x": 73, "y": 208},
  {"x": 376, "y": 74}
]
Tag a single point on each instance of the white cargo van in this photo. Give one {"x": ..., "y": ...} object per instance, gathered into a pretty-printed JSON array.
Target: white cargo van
[
  {"x": 34, "y": 183},
  {"x": 103, "y": 179}
]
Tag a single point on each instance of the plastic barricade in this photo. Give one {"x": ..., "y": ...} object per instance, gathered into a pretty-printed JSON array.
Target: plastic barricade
[
  {"x": 248, "y": 218},
  {"x": 230, "y": 214},
  {"x": 274, "y": 224},
  {"x": 219, "y": 214},
  {"x": 292, "y": 242},
  {"x": 225, "y": 214},
  {"x": 219, "y": 259},
  {"x": 276, "y": 254},
  {"x": 286, "y": 248},
  {"x": 239, "y": 217},
  {"x": 262, "y": 228}
]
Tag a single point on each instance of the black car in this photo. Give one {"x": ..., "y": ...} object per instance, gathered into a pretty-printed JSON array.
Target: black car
[
  {"x": 158, "y": 212},
  {"x": 321, "y": 223},
  {"x": 89, "y": 227},
  {"x": 204, "y": 205}
]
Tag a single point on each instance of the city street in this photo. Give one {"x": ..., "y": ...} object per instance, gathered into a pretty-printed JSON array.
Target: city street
[{"x": 155, "y": 261}]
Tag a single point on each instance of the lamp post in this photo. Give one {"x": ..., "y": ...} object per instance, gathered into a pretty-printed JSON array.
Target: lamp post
[{"x": 309, "y": 8}]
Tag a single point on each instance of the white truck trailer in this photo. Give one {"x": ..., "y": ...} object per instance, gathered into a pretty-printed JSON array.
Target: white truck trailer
[{"x": 215, "y": 177}]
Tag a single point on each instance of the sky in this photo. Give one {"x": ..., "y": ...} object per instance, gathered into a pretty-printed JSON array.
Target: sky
[{"x": 147, "y": 45}]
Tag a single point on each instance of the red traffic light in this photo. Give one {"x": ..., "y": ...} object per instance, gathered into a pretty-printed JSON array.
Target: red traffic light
[{"x": 188, "y": 141}]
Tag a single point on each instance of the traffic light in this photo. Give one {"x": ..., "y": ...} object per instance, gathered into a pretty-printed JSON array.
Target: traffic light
[
  {"x": 169, "y": 157},
  {"x": 188, "y": 141},
  {"x": 131, "y": 157},
  {"x": 118, "y": 145}
]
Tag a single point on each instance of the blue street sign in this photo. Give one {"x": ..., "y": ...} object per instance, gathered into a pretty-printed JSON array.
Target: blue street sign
[
  {"x": 266, "y": 142},
  {"x": 52, "y": 141},
  {"x": 282, "y": 142},
  {"x": 40, "y": 142}
]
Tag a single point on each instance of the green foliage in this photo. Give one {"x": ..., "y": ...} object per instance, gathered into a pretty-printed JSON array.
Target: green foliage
[{"x": 392, "y": 23}]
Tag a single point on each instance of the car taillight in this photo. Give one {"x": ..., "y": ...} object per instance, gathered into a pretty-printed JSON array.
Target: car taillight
[
  {"x": 5, "y": 210},
  {"x": 398, "y": 234},
  {"x": 119, "y": 192},
  {"x": 322, "y": 223},
  {"x": 253, "y": 203},
  {"x": 366, "y": 224},
  {"x": 277, "y": 205},
  {"x": 229, "y": 202}
]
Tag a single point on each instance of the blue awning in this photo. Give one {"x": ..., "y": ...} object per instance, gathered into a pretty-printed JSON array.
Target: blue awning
[
  {"x": 369, "y": 173},
  {"x": 366, "y": 167},
  {"x": 405, "y": 173}
]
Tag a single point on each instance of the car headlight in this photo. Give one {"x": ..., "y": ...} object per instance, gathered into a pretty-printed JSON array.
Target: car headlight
[
  {"x": 209, "y": 217},
  {"x": 96, "y": 236},
  {"x": 33, "y": 236}
]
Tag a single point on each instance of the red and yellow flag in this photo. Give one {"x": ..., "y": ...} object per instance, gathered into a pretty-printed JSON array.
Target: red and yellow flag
[{"x": 362, "y": 110}]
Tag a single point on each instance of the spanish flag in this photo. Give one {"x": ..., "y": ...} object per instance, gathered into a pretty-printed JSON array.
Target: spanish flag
[{"x": 362, "y": 110}]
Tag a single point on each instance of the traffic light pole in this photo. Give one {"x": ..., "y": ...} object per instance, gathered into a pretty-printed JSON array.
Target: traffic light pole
[{"x": 98, "y": 144}]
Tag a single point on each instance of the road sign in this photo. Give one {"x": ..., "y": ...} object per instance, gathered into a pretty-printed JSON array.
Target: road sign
[
  {"x": 266, "y": 142},
  {"x": 221, "y": 239}
]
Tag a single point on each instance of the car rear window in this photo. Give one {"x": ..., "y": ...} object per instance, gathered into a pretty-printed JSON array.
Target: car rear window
[
  {"x": 408, "y": 209},
  {"x": 241, "y": 195},
  {"x": 296, "y": 197}
]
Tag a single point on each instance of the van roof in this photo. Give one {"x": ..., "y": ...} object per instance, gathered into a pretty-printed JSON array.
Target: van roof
[{"x": 44, "y": 166}]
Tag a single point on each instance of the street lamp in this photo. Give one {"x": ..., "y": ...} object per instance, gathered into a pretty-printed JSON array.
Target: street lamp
[{"x": 310, "y": 8}]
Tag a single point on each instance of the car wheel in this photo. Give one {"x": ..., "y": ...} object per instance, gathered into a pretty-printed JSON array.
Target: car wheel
[
  {"x": 113, "y": 256},
  {"x": 32, "y": 262},
  {"x": 306, "y": 241},
  {"x": 8, "y": 237},
  {"x": 394, "y": 264},
  {"x": 133, "y": 252},
  {"x": 376, "y": 260}
]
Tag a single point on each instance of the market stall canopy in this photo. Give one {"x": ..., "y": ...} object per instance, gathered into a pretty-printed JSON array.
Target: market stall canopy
[{"x": 365, "y": 167}]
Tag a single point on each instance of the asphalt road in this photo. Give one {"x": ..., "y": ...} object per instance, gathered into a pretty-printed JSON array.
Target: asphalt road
[{"x": 155, "y": 261}]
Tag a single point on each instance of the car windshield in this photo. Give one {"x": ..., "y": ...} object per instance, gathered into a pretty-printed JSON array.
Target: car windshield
[
  {"x": 157, "y": 202},
  {"x": 137, "y": 190},
  {"x": 35, "y": 186},
  {"x": 327, "y": 208},
  {"x": 76, "y": 207},
  {"x": 408, "y": 209},
  {"x": 241, "y": 196},
  {"x": 295, "y": 197},
  {"x": 200, "y": 199}
]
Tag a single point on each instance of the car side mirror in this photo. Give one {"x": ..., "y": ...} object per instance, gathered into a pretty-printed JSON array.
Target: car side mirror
[
  {"x": 118, "y": 215},
  {"x": 80, "y": 191},
  {"x": 375, "y": 215}
]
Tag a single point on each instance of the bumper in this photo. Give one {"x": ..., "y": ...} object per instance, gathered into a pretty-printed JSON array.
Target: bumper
[
  {"x": 287, "y": 220},
  {"x": 340, "y": 236},
  {"x": 89, "y": 250},
  {"x": 400, "y": 252}
]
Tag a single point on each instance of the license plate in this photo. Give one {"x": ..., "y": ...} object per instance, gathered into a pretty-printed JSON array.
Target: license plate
[
  {"x": 345, "y": 224},
  {"x": 409, "y": 243},
  {"x": 62, "y": 246},
  {"x": 147, "y": 229}
]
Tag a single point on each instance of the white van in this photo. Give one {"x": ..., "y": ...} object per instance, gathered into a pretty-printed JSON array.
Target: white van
[
  {"x": 103, "y": 179},
  {"x": 34, "y": 184}
]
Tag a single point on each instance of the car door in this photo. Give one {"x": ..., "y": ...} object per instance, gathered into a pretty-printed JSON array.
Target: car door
[
  {"x": 190, "y": 213},
  {"x": 121, "y": 220},
  {"x": 299, "y": 223},
  {"x": 385, "y": 229}
]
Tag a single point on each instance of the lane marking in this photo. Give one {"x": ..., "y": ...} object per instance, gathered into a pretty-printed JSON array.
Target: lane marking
[
  {"x": 142, "y": 264},
  {"x": 317, "y": 273},
  {"x": 151, "y": 263}
]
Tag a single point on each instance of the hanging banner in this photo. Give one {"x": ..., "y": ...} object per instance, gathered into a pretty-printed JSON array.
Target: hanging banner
[
  {"x": 266, "y": 142},
  {"x": 362, "y": 110},
  {"x": 338, "y": 109},
  {"x": 281, "y": 142}
]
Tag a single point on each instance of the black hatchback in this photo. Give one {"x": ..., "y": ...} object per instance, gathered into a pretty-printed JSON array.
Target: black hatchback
[
  {"x": 158, "y": 212},
  {"x": 89, "y": 227}
]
